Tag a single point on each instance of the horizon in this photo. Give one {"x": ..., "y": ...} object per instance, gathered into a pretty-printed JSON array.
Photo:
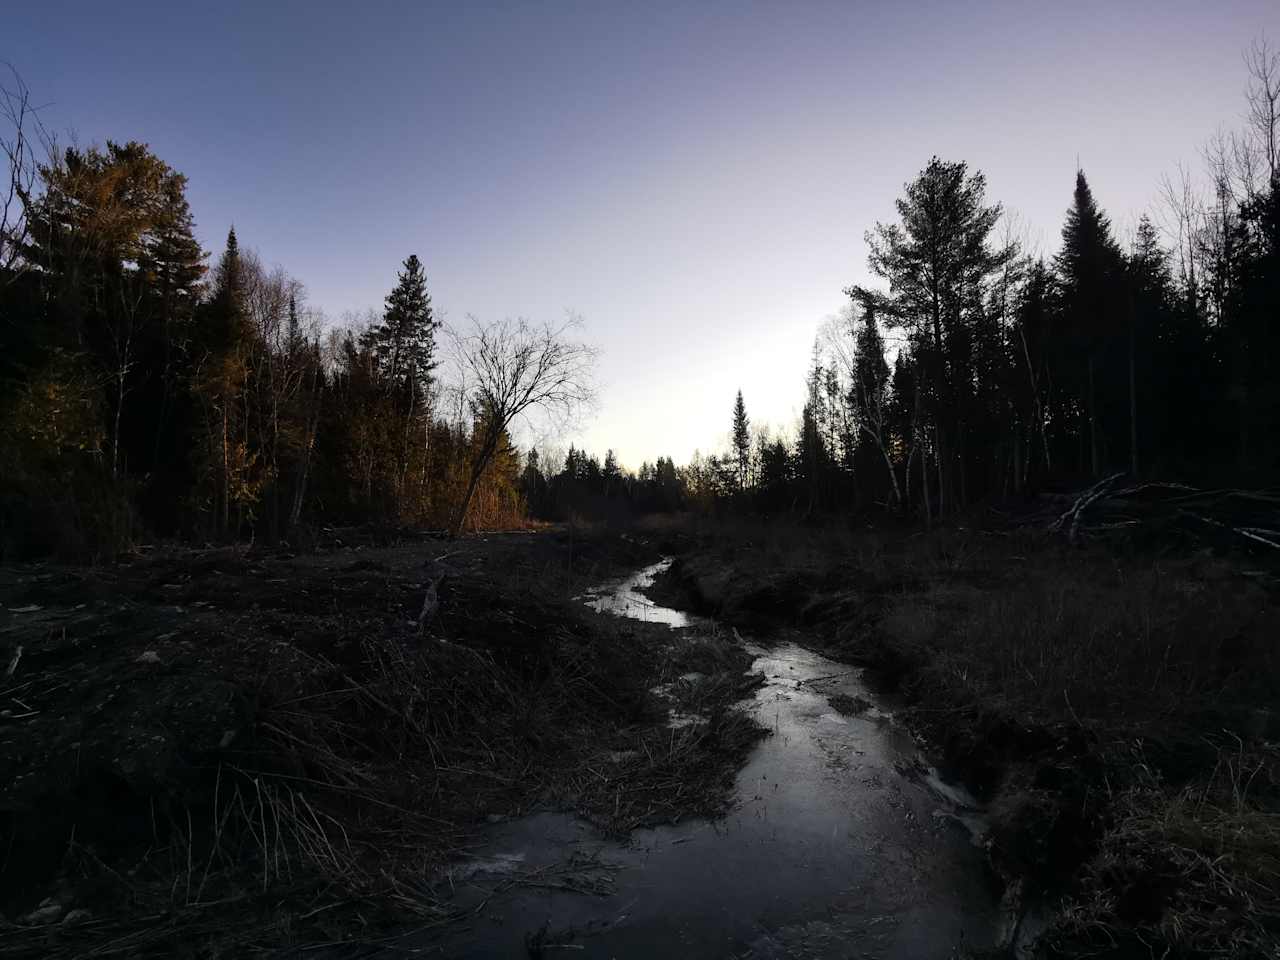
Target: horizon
[{"x": 701, "y": 212}]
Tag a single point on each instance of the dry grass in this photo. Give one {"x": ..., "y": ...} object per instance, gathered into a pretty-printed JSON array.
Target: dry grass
[
  {"x": 1196, "y": 868},
  {"x": 366, "y": 753},
  {"x": 1120, "y": 708}
]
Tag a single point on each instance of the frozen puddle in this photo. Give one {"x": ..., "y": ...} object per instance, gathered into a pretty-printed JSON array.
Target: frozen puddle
[{"x": 842, "y": 843}]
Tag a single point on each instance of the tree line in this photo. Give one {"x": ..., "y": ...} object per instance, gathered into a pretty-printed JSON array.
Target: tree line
[
  {"x": 977, "y": 370},
  {"x": 143, "y": 390}
]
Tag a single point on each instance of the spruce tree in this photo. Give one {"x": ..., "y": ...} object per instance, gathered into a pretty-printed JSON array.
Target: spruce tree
[
  {"x": 228, "y": 320},
  {"x": 404, "y": 343},
  {"x": 741, "y": 441},
  {"x": 1090, "y": 266},
  {"x": 611, "y": 473}
]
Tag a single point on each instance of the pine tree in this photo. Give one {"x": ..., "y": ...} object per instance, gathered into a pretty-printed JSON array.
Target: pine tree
[
  {"x": 741, "y": 442},
  {"x": 938, "y": 260},
  {"x": 112, "y": 234},
  {"x": 1090, "y": 266}
]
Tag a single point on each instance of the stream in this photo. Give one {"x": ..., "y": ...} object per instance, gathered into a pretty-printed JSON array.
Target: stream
[{"x": 842, "y": 843}]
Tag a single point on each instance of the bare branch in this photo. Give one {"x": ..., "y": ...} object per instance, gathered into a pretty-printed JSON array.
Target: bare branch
[
  {"x": 19, "y": 171},
  {"x": 512, "y": 368}
]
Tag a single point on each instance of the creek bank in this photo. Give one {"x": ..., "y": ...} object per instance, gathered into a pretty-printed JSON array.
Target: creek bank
[
  {"x": 220, "y": 751},
  {"x": 841, "y": 840},
  {"x": 1095, "y": 704}
]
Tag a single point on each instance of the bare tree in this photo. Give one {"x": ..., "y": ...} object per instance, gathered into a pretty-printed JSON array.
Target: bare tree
[
  {"x": 1263, "y": 97},
  {"x": 510, "y": 369},
  {"x": 1181, "y": 213},
  {"x": 18, "y": 173},
  {"x": 279, "y": 365}
]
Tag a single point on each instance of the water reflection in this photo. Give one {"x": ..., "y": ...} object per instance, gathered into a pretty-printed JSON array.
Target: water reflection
[
  {"x": 842, "y": 842},
  {"x": 623, "y": 598}
]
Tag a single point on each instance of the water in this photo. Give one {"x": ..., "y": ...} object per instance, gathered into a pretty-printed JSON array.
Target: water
[
  {"x": 843, "y": 843},
  {"x": 623, "y": 598}
]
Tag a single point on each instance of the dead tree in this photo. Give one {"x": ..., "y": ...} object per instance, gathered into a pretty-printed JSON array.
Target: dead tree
[{"x": 18, "y": 172}]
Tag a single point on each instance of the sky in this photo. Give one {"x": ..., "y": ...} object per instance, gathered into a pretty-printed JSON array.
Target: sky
[{"x": 694, "y": 179}]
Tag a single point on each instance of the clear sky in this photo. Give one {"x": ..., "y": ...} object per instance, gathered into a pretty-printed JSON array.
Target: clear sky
[{"x": 695, "y": 179}]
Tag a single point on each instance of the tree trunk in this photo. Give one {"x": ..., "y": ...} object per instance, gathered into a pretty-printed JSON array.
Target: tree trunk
[
  {"x": 115, "y": 428},
  {"x": 1093, "y": 424},
  {"x": 225, "y": 520},
  {"x": 893, "y": 476},
  {"x": 477, "y": 470},
  {"x": 937, "y": 439},
  {"x": 404, "y": 448},
  {"x": 1133, "y": 393},
  {"x": 308, "y": 443}
]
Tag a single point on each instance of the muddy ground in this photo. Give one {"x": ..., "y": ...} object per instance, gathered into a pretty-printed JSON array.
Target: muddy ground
[
  {"x": 1115, "y": 707},
  {"x": 222, "y": 751}
]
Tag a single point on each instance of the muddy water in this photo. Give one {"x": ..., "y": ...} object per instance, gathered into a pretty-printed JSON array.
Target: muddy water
[{"x": 843, "y": 843}]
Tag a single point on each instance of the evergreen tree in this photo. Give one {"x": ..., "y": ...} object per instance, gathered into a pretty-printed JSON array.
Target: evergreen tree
[
  {"x": 938, "y": 261},
  {"x": 1091, "y": 269},
  {"x": 220, "y": 382},
  {"x": 869, "y": 398},
  {"x": 402, "y": 347},
  {"x": 741, "y": 443},
  {"x": 611, "y": 474},
  {"x": 112, "y": 236},
  {"x": 404, "y": 343},
  {"x": 1251, "y": 336},
  {"x": 174, "y": 266},
  {"x": 1150, "y": 308}
]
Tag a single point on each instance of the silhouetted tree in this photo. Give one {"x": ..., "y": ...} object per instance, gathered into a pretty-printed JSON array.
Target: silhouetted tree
[
  {"x": 1091, "y": 269},
  {"x": 741, "y": 436},
  {"x": 937, "y": 261},
  {"x": 511, "y": 368}
]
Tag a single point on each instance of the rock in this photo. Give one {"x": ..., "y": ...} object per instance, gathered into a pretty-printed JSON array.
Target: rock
[
  {"x": 49, "y": 914},
  {"x": 77, "y": 916},
  {"x": 148, "y": 656}
]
